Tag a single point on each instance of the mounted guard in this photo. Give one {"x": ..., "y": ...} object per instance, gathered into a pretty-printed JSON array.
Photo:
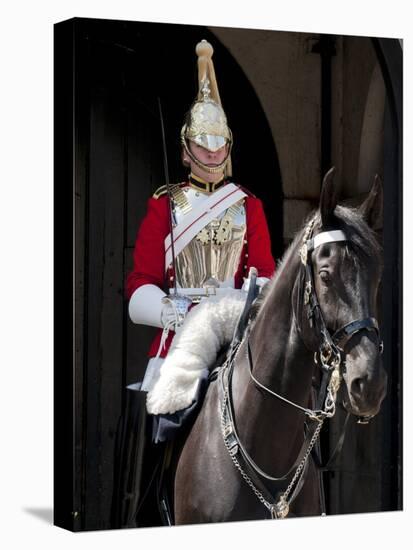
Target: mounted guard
[{"x": 196, "y": 243}]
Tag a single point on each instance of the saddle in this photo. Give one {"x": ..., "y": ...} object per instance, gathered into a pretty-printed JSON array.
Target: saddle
[
  {"x": 165, "y": 426},
  {"x": 172, "y": 429}
]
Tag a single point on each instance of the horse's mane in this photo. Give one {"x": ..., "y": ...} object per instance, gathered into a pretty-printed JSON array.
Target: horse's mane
[{"x": 360, "y": 238}]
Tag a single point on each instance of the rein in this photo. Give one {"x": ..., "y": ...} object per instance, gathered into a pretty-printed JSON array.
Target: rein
[{"x": 330, "y": 352}]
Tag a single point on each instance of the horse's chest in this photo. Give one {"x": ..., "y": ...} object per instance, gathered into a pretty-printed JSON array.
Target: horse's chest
[{"x": 208, "y": 487}]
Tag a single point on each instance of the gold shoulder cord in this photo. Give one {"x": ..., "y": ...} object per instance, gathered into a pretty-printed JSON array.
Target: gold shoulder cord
[{"x": 180, "y": 199}]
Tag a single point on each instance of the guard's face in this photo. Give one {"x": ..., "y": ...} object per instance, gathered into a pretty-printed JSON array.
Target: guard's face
[{"x": 210, "y": 158}]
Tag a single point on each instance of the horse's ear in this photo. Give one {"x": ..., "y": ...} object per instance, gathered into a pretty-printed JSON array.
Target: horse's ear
[
  {"x": 329, "y": 197},
  {"x": 372, "y": 207}
]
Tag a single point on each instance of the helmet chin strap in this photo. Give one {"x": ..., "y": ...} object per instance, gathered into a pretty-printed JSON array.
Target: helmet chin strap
[{"x": 209, "y": 169}]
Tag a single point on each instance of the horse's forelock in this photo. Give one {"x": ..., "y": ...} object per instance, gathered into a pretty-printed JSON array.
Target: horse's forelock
[{"x": 360, "y": 236}]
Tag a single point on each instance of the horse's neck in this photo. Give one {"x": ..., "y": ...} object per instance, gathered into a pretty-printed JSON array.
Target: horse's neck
[
  {"x": 279, "y": 356},
  {"x": 281, "y": 362}
]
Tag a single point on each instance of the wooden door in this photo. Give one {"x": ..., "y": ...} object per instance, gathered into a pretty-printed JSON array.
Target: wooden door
[{"x": 121, "y": 68}]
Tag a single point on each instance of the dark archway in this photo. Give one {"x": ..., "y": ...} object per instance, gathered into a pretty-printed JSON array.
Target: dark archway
[{"x": 117, "y": 70}]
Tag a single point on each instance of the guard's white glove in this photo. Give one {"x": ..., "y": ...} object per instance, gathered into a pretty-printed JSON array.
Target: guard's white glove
[
  {"x": 174, "y": 311},
  {"x": 150, "y": 306}
]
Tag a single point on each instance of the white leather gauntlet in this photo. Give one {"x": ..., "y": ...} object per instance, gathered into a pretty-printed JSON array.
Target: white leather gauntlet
[
  {"x": 149, "y": 305},
  {"x": 146, "y": 306}
]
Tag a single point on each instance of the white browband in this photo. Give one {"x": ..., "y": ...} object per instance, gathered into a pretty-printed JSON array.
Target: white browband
[{"x": 329, "y": 237}]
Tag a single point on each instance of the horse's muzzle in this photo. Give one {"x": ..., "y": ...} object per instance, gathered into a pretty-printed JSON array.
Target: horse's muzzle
[{"x": 363, "y": 397}]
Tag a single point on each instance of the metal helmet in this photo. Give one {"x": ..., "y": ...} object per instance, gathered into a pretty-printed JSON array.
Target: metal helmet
[{"x": 206, "y": 122}]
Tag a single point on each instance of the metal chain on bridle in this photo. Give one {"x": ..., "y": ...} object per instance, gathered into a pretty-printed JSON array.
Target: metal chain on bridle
[{"x": 330, "y": 352}]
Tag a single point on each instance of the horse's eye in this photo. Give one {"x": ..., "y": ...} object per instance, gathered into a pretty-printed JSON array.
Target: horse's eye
[{"x": 325, "y": 276}]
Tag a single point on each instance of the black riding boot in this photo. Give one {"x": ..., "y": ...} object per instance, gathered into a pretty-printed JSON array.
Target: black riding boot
[{"x": 129, "y": 455}]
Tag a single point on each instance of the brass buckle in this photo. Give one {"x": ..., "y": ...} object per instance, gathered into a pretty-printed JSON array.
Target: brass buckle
[{"x": 281, "y": 509}]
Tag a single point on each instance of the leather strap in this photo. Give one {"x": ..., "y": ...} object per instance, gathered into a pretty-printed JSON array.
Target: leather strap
[
  {"x": 343, "y": 335},
  {"x": 327, "y": 466},
  {"x": 236, "y": 447}
]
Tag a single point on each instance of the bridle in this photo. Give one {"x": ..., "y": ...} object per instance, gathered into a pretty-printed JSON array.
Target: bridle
[
  {"x": 332, "y": 346},
  {"x": 331, "y": 354}
]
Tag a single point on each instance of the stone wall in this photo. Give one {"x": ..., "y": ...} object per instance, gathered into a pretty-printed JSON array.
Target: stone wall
[{"x": 286, "y": 75}]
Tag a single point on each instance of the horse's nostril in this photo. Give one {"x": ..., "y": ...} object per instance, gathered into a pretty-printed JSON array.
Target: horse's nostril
[{"x": 357, "y": 386}]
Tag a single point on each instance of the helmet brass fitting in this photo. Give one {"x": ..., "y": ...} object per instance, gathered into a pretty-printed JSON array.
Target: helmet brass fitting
[{"x": 206, "y": 122}]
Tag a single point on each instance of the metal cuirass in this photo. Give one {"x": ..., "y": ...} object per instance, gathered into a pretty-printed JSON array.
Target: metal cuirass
[{"x": 213, "y": 255}]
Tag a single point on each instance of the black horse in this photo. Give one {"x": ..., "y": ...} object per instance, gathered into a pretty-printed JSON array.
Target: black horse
[{"x": 247, "y": 455}]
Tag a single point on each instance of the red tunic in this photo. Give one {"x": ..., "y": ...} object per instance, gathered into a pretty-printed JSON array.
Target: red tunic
[{"x": 149, "y": 253}]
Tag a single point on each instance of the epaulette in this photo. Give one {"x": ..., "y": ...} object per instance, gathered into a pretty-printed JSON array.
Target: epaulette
[{"x": 162, "y": 190}]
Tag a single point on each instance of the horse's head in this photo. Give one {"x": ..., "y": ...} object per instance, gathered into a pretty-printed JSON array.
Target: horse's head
[{"x": 346, "y": 272}]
